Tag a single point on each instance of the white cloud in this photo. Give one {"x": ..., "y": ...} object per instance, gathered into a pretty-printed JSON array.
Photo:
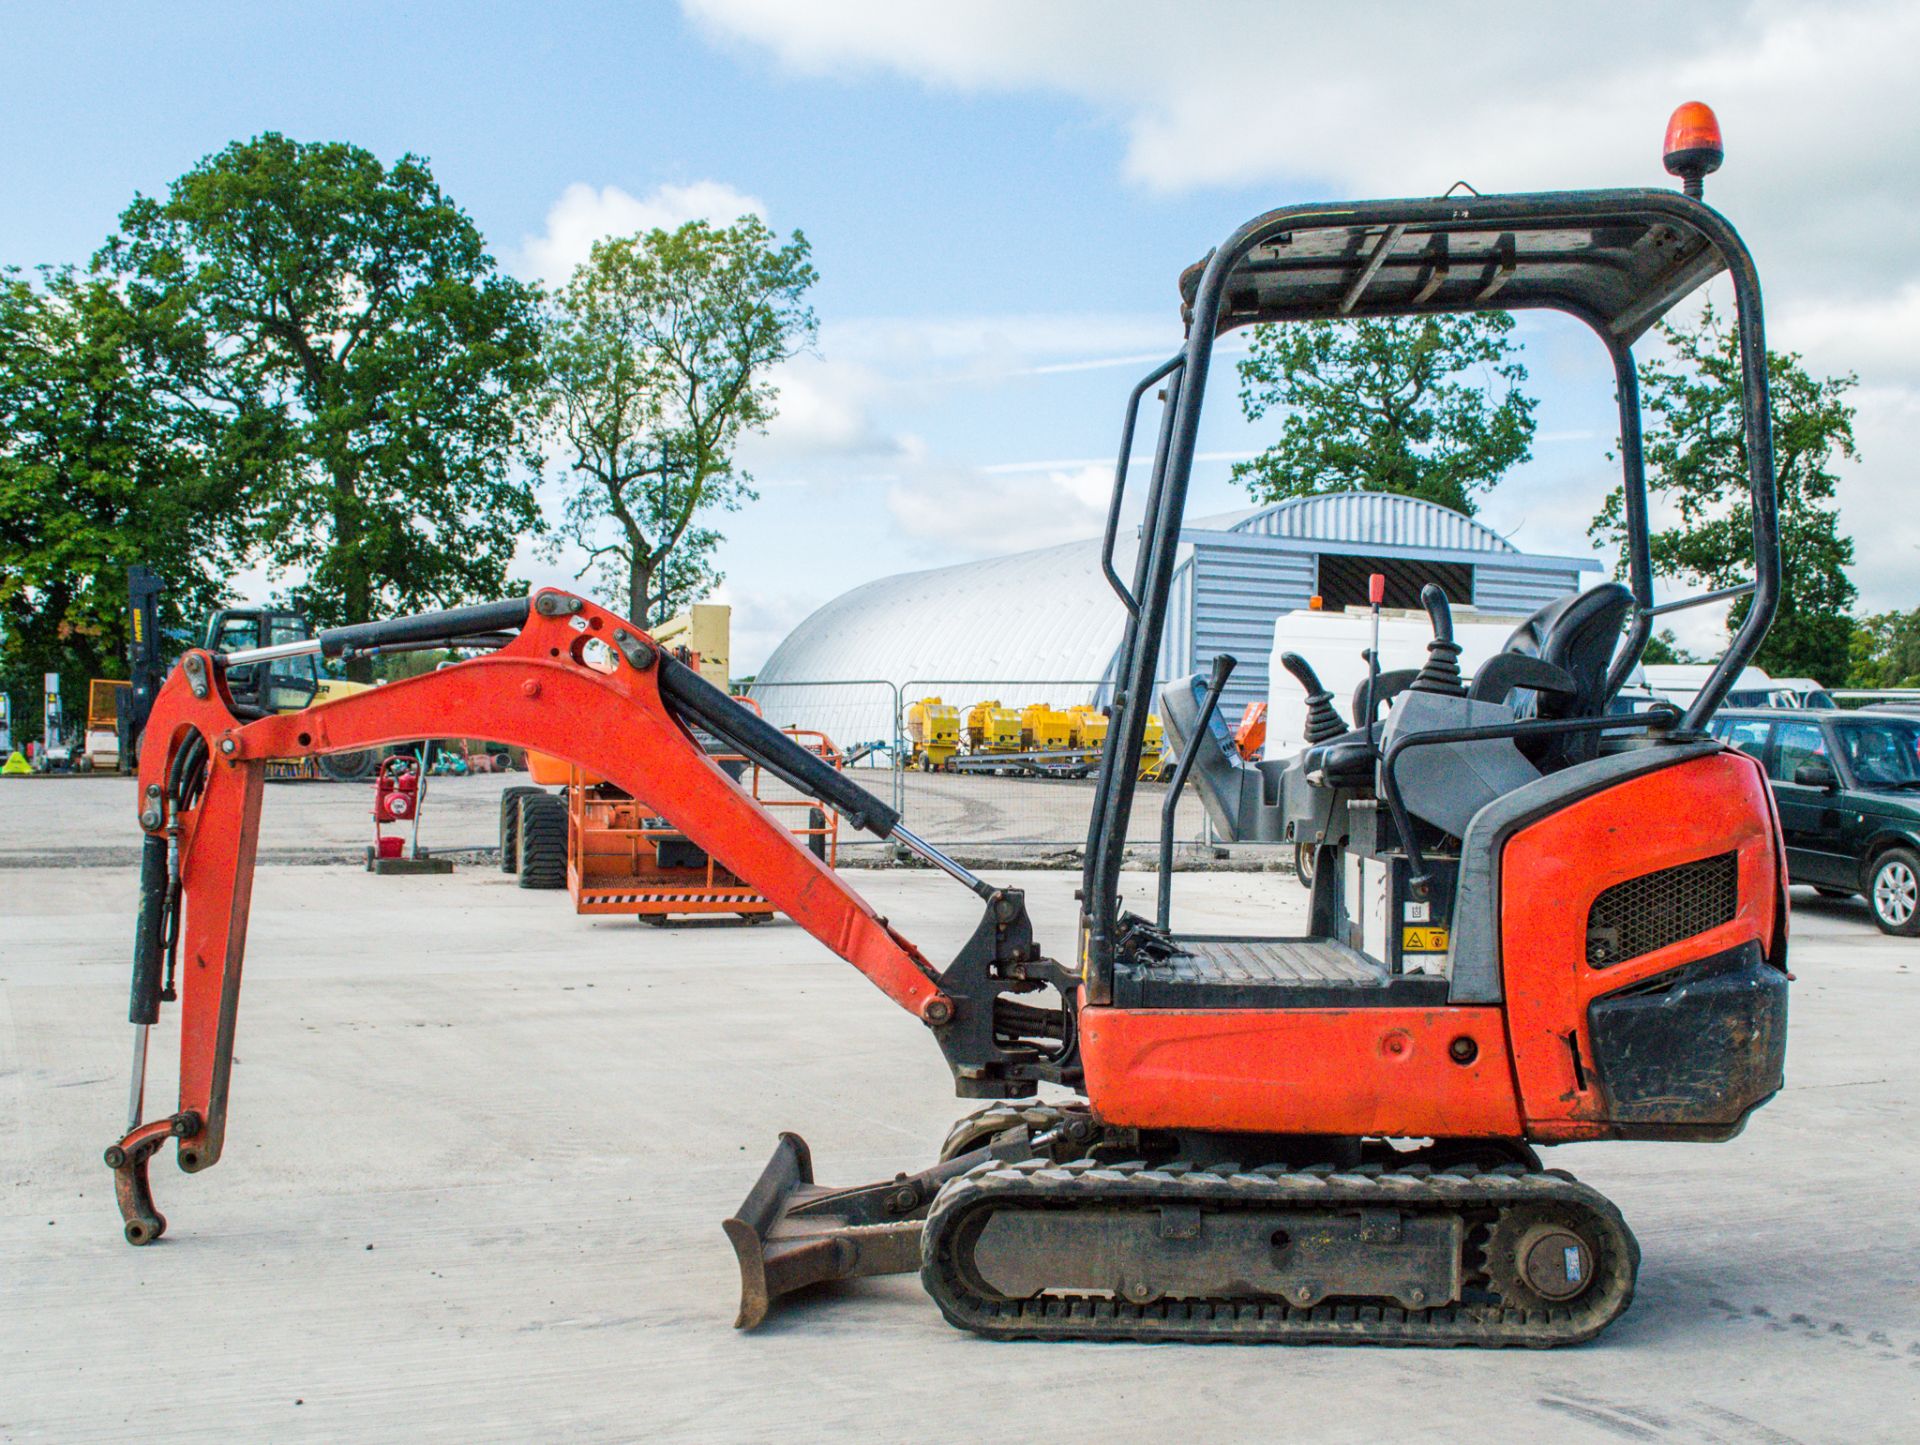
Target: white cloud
[
  {"x": 1818, "y": 105},
  {"x": 1408, "y": 99},
  {"x": 968, "y": 510},
  {"x": 867, "y": 368},
  {"x": 761, "y": 620},
  {"x": 584, "y": 215},
  {"x": 1876, "y": 336},
  {"x": 825, "y": 410}
]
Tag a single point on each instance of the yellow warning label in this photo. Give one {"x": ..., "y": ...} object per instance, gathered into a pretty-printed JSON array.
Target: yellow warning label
[{"x": 1423, "y": 940}]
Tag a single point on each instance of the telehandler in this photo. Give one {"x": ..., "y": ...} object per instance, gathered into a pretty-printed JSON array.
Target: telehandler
[{"x": 1532, "y": 920}]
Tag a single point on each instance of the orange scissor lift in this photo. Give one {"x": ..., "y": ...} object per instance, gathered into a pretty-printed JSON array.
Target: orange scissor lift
[{"x": 623, "y": 858}]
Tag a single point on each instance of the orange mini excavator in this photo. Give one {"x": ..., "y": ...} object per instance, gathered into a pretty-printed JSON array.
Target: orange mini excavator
[{"x": 1534, "y": 918}]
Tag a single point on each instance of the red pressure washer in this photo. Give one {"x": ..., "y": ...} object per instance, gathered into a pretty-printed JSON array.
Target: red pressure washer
[{"x": 399, "y": 792}]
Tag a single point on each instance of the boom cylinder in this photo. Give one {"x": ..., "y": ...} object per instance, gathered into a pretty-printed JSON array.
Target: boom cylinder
[
  {"x": 691, "y": 695},
  {"x": 150, "y": 932}
]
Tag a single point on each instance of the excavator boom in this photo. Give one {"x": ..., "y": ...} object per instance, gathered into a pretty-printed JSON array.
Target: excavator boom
[{"x": 573, "y": 681}]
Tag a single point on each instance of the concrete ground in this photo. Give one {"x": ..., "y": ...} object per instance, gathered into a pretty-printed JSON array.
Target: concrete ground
[
  {"x": 480, "y": 1150},
  {"x": 62, "y": 821}
]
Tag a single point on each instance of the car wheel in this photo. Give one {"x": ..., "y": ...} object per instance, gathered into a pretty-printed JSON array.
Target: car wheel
[
  {"x": 353, "y": 767},
  {"x": 1826, "y": 892},
  {"x": 1893, "y": 892}
]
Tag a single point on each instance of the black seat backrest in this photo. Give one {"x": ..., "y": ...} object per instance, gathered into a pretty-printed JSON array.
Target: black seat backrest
[{"x": 1578, "y": 635}]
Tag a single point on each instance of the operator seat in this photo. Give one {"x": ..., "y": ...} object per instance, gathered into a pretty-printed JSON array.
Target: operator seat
[{"x": 1577, "y": 635}]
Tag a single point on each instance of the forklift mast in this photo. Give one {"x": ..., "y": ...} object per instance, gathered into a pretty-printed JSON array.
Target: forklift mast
[{"x": 146, "y": 662}]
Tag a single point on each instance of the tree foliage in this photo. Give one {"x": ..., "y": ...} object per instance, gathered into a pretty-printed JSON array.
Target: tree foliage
[
  {"x": 1387, "y": 405},
  {"x": 1886, "y": 651},
  {"x": 1664, "y": 647},
  {"x": 101, "y": 467},
  {"x": 371, "y": 368},
  {"x": 1696, "y": 454},
  {"x": 658, "y": 354}
]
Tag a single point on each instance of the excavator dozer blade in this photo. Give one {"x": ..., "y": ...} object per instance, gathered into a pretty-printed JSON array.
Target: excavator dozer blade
[{"x": 790, "y": 1232}]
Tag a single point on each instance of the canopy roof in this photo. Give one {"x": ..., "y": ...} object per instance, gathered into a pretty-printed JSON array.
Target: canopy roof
[{"x": 1619, "y": 259}]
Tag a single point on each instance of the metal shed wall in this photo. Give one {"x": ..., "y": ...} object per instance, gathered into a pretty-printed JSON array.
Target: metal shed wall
[
  {"x": 1237, "y": 592},
  {"x": 1521, "y": 590}
]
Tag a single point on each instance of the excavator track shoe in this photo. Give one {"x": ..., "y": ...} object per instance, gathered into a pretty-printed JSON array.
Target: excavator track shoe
[{"x": 1317, "y": 1256}]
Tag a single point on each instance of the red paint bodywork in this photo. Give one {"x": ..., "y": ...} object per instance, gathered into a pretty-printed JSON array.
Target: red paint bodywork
[
  {"x": 1300, "y": 1071},
  {"x": 1336, "y": 1071},
  {"x": 1550, "y": 875}
]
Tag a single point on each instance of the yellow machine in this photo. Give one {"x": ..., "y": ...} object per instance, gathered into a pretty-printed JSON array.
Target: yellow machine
[
  {"x": 933, "y": 733},
  {"x": 102, "y": 740},
  {"x": 706, "y": 630},
  {"x": 1089, "y": 726},
  {"x": 1043, "y": 728},
  {"x": 1156, "y": 758},
  {"x": 992, "y": 728}
]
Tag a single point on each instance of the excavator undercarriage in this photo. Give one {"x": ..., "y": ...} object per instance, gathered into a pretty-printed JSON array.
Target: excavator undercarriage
[
  {"x": 1040, "y": 1224},
  {"x": 1535, "y": 917}
]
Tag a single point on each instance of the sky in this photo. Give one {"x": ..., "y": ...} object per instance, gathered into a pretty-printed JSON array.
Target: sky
[{"x": 1000, "y": 197}]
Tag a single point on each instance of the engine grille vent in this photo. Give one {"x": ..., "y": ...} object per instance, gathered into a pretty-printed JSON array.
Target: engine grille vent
[{"x": 1656, "y": 909}]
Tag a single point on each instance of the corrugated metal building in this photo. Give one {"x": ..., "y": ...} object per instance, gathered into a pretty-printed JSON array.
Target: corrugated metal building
[{"x": 1049, "y": 616}]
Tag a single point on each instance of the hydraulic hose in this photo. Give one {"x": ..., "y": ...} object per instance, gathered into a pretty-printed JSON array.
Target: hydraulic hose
[
  {"x": 426, "y": 627},
  {"x": 693, "y": 699}
]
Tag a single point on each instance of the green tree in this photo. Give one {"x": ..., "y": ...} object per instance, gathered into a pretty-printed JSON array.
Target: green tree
[
  {"x": 373, "y": 362},
  {"x": 101, "y": 467},
  {"x": 1387, "y": 406},
  {"x": 1886, "y": 651},
  {"x": 658, "y": 354},
  {"x": 1664, "y": 647},
  {"x": 1696, "y": 454}
]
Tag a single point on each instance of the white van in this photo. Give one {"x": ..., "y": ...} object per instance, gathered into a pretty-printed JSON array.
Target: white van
[{"x": 1680, "y": 684}]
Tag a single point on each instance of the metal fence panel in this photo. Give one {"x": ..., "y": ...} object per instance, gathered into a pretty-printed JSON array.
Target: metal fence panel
[
  {"x": 983, "y": 804},
  {"x": 1040, "y": 805},
  {"x": 860, "y": 718}
]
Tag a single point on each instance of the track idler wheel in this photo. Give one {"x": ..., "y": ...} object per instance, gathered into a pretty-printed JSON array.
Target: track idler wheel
[{"x": 1067, "y": 1129}]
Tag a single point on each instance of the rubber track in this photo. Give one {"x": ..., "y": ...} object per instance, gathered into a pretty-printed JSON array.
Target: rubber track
[{"x": 1263, "y": 1318}]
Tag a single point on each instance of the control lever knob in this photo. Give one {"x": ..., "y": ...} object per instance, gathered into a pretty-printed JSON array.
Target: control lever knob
[
  {"x": 1441, "y": 673},
  {"x": 1439, "y": 612},
  {"x": 1323, "y": 723}
]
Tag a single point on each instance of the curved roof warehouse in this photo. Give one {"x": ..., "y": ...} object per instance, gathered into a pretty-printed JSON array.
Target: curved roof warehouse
[{"x": 1045, "y": 626}]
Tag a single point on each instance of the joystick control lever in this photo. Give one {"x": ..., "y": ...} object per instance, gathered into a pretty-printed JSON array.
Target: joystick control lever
[
  {"x": 1441, "y": 674},
  {"x": 1323, "y": 722}
]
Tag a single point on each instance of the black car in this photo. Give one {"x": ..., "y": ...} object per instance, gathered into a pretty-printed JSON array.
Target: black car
[{"x": 1848, "y": 788}]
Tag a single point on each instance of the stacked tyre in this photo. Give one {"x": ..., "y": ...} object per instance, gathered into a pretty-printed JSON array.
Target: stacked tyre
[
  {"x": 541, "y": 841},
  {"x": 510, "y": 826},
  {"x": 533, "y": 836}
]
